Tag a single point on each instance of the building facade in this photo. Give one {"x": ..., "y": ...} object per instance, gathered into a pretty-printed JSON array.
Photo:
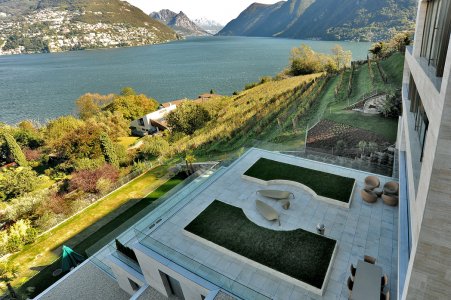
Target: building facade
[{"x": 424, "y": 140}]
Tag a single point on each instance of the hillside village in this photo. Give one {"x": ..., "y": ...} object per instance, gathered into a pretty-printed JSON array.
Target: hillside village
[{"x": 55, "y": 30}]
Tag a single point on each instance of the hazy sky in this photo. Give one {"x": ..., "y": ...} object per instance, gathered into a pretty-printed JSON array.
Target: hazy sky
[{"x": 220, "y": 11}]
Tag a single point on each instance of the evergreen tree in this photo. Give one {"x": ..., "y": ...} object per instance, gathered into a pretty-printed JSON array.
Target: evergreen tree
[
  {"x": 14, "y": 150},
  {"x": 108, "y": 150}
]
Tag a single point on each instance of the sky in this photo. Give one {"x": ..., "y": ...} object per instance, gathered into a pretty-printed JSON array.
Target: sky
[{"x": 221, "y": 11}]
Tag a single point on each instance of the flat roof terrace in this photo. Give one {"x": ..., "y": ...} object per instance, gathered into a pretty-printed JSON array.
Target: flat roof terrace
[{"x": 362, "y": 229}]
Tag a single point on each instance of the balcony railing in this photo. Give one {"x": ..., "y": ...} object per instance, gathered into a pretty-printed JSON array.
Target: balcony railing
[{"x": 208, "y": 274}]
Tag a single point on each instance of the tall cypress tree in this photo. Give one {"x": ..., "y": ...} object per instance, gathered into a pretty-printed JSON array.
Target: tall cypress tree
[
  {"x": 108, "y": 150},
  {"x": 14, "y": 150}
]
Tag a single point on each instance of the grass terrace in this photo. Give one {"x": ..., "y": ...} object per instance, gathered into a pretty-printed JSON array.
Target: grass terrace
[
  {"x": 300, "y": 254},
  {"x": 88, "y": 228},
  {"x": 324, "y": 184}
]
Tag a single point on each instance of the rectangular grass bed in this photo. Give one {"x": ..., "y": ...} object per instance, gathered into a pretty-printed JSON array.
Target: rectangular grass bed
[
  {"x": 299, "y": 254},
  {"x": 324, "y": 184}
]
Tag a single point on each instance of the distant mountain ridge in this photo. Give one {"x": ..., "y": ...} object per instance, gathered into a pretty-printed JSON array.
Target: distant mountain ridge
[
  {"x": 179, "y": 22},
  {"x": 358, "y": 20},
  {"x": 208, "y": 25},
  {"x": 60, "y": 25}
]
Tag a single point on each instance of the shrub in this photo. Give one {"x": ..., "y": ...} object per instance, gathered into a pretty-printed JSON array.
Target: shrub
[
  {"x": 392, "y": 107},
  {"x": 108, "y": 150},
  {"x": 17, "y": 182},
  {"x": 188, "y": 118},
  {"x": 88, "y": 164},
  {"x": 57, "y": 204},
  {"x": 32, "y": 154},
  {"x": 265, "y": 79},
  {"x": 154, "y": 146},
  {"x": 86, "y": 180},
  {"x": 340, "y": 146},
  {"x": 304, "y": 60},
  {"x": 14, "y": 150},
  {"x": 23, "y": 207},
  {"x": 103, "y": 186},
  {"x": 18, "y": 235},
  {"x": 47, "y": 220},
  {"x": 250, "y": 85},
  {"x": 139, "y": 166}
]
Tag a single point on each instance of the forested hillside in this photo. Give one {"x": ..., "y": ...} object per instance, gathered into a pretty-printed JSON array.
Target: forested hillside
[{"x": 364, "y": 20}]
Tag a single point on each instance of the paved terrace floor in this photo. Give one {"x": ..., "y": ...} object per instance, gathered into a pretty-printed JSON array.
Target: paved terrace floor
[{"x": 362, "y": 229}]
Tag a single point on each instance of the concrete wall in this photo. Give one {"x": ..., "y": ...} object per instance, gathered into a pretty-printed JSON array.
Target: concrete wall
[
  {"x": 429, "y": 271},
  {"x": 123, "y": 273},
  {"x": 153, "y": 265}
]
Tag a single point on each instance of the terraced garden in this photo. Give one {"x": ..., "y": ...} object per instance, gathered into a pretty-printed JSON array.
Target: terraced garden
[
  {"x": 300, "y": 254},
  {"x": 324, "y": 184}
]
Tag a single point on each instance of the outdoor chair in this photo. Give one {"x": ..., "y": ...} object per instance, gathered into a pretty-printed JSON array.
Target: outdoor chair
[
  {"x": 285, "y": 204},
  {"x": 369, "y": 259},
  {"x": 391, "y": 188},
  {"x": 267, "y": 211},
  {"x": 372, "y": 182},
  {"x": 368, "y": 196},
  {"x": 384, "y": 281},
  {"x": 275, "y": 194},
  {"x": 353, "y": 270},
  {"x": 350, "y": 284},
  {"x": 391, "y": 200}
]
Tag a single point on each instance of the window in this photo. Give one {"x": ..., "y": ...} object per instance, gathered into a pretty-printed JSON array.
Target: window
[
  {"x": 437, "y": 29},
  {"x": 141, "y": 122},
  {"x": 421, "y": 119}
]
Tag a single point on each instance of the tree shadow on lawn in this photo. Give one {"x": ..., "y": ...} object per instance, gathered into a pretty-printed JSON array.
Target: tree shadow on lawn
[
  {"x": 81, "y": 242},
  {"x": 100, "y": 234}
]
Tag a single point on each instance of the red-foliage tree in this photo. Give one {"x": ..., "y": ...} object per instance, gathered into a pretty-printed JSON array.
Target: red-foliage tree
[{"x": 86, "y": 180}]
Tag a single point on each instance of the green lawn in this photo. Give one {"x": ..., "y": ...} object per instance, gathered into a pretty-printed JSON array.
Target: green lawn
[
  {"x": 387, "y": 128},
  {"x": 393, "y": 66},
  {"x": 47, "y": 248},
  {"x": 44, "y": 279},
  {"x": 324, "y": 184},
  {"x": 127, "y": 141},
  {"x": 300, "y": 254}
]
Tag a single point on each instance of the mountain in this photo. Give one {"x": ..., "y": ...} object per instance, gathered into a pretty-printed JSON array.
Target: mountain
[
  {"x": 208, "y": 25},
  {"x": 29, "y": 26},
  {"x": 358, "y": 20},
  {"x": 179, "y": 22}
]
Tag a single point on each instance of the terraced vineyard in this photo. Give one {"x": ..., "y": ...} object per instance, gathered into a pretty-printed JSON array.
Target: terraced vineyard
[{"x": 275, "y": 114}]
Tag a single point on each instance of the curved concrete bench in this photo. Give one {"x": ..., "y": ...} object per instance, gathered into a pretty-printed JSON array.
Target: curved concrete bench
[
  {"x": 275, "y": 194},
  {"x": 304, "y": 187},
  {"x": 267, "y": 211}
]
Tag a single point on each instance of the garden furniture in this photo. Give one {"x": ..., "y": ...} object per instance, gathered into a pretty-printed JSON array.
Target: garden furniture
[
  {"x": 391, "y": 200},
  {"x": 368, "y": 196},
  {"x": 367, "y": 282},
  {"x": 391, "y": 188},
  {"x": 372, "y": 182},
  {"x": 285, "y": 204},
  {"x": 267, "y": 211},
  {"x": 369, "y": 259}
]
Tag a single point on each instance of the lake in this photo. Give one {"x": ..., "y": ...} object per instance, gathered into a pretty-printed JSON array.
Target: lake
[{"x": 44, "y": 86}]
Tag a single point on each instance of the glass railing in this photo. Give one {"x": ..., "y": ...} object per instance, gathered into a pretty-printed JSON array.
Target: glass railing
[
  {"x": 100, "y": 263},
  {"x": 175, "y": 200},
  {"x": 208, "y": 274},
  {"x": 167, "y": 205}
]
